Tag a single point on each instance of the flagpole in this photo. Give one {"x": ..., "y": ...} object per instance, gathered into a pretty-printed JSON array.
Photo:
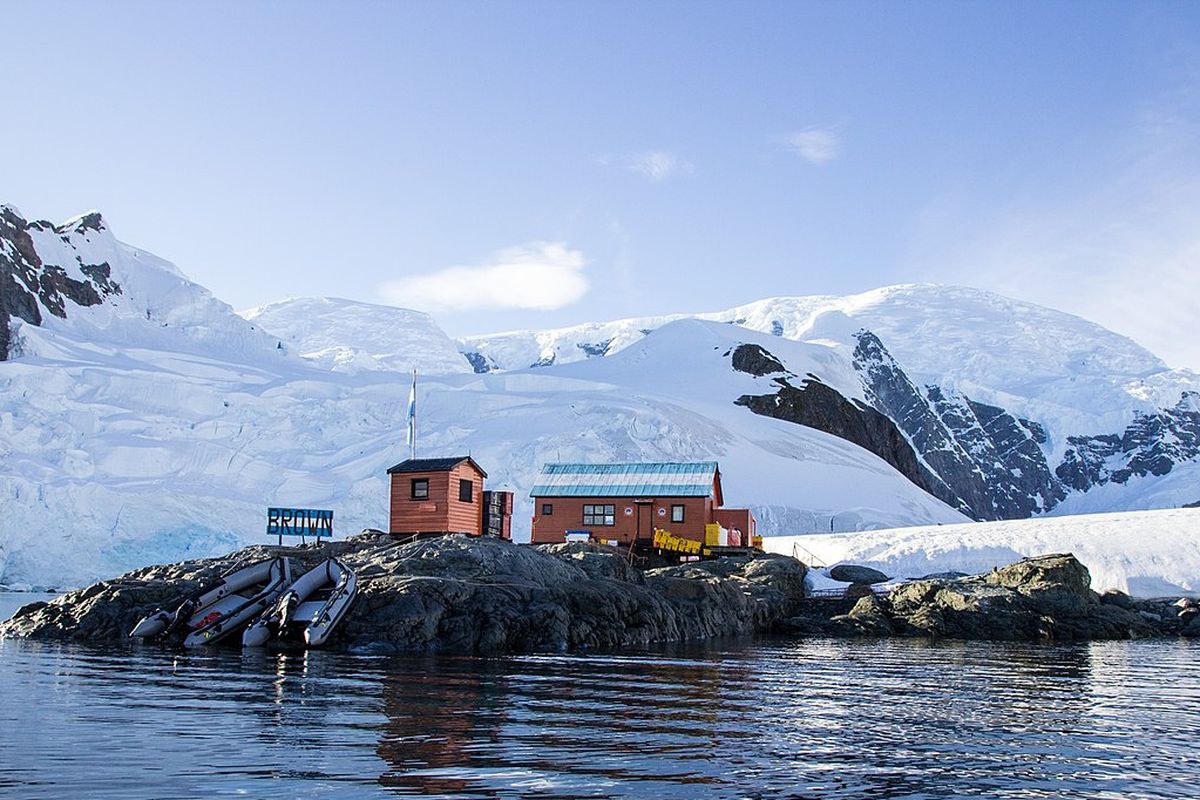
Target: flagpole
[{"x": 413, "y": 451}]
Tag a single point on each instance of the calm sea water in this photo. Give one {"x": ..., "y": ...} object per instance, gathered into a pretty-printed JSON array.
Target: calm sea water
[{"x": 761, "y": 719}]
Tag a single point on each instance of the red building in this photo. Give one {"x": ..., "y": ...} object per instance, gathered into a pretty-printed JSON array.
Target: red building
[
  {"x": 626, "y": 503},
  {"x": 434, "y": 496}
]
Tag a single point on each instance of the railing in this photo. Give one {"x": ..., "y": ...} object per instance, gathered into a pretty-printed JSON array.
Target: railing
[{"x": 813, "y": 561}]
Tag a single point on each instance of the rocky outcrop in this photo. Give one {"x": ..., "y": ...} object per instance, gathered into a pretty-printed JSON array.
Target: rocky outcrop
[
  {"x": 754, "y": 360},
  {"x": 27, "y": 285},
  {"x": 1048, "y": 598},
  {"x": 853, "y": 573},
  {"x": 990, "y": 460},
  {"x": 465, "y": 594},
  {"x": 816, "y": 405},
  {"x": 1150, "y": 445}
]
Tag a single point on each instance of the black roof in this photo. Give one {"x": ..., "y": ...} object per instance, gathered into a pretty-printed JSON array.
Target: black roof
[{"x": 433, "y": 465}]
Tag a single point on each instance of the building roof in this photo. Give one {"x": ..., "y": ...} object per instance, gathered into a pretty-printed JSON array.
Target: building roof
[
  {"x": 433, "y": 465},
  {"x": 656, "y": 479}
]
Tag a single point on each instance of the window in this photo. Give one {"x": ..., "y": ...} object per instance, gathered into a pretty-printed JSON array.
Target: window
[
  {"x": 599, "y": 515},
  {"x": 420, "y": 488},
  {"x": 466, "y": 491},
  {"x": 676, "y": 513},
  {"x": 547, "y": 509}
]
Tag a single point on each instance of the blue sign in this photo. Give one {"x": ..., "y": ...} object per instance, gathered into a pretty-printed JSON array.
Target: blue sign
[{"x": 299, "y": 522}]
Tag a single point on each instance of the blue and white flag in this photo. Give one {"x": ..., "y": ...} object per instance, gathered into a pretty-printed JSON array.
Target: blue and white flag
[{"x": 410, "y": 437}]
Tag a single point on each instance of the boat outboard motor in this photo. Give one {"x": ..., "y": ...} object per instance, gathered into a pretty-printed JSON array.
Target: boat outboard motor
[
  {"x": 164, "y": 623},
  {"x": 269, "y": 625}
]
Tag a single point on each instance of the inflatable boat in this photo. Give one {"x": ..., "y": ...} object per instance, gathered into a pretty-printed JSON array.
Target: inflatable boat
[
  {"x": 309, "y": 609},
  {"x": 223, "y": 607}
]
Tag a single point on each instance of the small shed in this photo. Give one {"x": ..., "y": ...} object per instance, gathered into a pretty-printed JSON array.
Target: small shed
[{"x": 437, "y": 496}]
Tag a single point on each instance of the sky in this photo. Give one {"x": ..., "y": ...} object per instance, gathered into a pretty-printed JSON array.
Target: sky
[{"x": 530, "y": 165}]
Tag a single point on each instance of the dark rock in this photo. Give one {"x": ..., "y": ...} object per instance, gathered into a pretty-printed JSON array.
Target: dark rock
[
  {"x": 1117, "y": 598},
  {"x": 469, "y": 594},
  {"x": 28, "y": 285},
  {"x": 1192, "y": 629},
  {"x": 1048, "y": 598},
  {"x": 1150, "y": 445},
  {"x": 815, "y": 405},
  {"x": 868, "y": 617},
  {"x": 857, "y": 590},
  {"x": 945, "y": 576},
  {"x": 853, "y": 573},
  {"x": 595, "y": 349},
  {"x": 987, "y": 463},
  {"x": 754, "y": 360},
  {"x": 479, "y": 362}
]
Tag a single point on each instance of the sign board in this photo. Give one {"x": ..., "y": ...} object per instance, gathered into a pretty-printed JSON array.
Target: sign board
[
  {"x": 316, "y": 522},
  {"x": 578, "y": 536}
]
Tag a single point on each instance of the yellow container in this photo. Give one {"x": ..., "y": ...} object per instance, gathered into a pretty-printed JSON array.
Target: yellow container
[{"x": 712, "y": 534}]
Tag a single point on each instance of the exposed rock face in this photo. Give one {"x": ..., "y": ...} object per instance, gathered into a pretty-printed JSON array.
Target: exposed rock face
[
  {"x": 465, "y": 594},
  {"x": 479, "y": 362},
  {"x": 27, "y": 285},
  {"x": 991, "y": 461},
  {"x": 754, "y": 360},
  {"x": 1150, "y": 445},
  {"x": 819, "y": 406},
  {"x": 1046, "y": 598}
]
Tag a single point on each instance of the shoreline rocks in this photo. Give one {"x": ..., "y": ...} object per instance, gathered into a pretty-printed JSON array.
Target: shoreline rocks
[
  {"x": 472, "y": 595},
  {"x": 1047, "y": 598}
]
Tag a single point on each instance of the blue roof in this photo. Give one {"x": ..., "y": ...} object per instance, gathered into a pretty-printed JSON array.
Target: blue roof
[{"x": 655, "y": 479}]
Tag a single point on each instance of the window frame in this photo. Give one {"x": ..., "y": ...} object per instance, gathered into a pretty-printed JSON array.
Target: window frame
[
  {"x": 680, "y": 508},
  {"x": 547, "y": 509},
  {"x": 600, "y": 515},
  {"x": 466, "y": 486},
  {"x": 413, "y": 495}
]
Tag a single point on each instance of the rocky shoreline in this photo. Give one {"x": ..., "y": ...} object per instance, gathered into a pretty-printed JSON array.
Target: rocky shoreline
[
  {"x": 1047, "y": 598},
  {"x": 487, "y": 596},
  {"x": 469, "y": 595}
]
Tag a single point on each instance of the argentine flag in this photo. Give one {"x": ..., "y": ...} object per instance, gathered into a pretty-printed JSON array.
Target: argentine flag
[{"x": 410, "y": 436}]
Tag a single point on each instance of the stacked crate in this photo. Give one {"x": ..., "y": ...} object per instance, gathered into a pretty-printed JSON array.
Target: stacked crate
[{"x": 497, "y": 514}]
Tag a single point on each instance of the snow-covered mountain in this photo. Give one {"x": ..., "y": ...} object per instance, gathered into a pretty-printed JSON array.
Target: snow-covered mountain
[
  {"x": 1016, "y": 409},
  {"x": 142, "y": 420},
  {"x": 75, "y": 285},
  {"x": 345, "y": 335}
]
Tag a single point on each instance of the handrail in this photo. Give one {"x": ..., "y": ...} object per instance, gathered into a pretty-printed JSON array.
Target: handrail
[{"x": 814, "y": 561}]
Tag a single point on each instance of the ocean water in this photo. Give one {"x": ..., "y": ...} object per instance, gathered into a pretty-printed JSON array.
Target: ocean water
[{"x": 768, "y": 718}]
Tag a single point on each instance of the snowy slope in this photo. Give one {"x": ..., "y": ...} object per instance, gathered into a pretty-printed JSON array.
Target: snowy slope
[
  {"x": 1014, "y": 406},
  {"x": 346, "y": 335},
  {"x": 143, "y": 421},
  {"x": 1147, "y": 553},
  {"x": 145, "y": 301},
  {"x": 132, "y": 458},
  {"x": 1069, "y": 374}
]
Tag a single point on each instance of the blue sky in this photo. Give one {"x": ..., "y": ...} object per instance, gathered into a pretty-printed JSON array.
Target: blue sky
[{"x": 510, "y": 165}]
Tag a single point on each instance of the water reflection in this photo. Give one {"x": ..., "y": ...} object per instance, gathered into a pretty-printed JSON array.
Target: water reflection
[{"x": 771, "y": 719}]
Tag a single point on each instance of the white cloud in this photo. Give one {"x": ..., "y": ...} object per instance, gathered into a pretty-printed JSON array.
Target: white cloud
[
  {"x": 815, "y": 144},
  {"x": 657, "y": 165},
  {"x": 539, "y": 276}
]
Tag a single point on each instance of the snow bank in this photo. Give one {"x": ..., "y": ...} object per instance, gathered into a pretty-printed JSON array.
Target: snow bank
[{"x": 1144, "y": 553}]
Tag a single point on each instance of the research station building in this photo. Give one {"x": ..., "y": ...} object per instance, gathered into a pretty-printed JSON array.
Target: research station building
[
  {"x": 625, "y": 504},
  {"x": 439, "y": 496}
]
